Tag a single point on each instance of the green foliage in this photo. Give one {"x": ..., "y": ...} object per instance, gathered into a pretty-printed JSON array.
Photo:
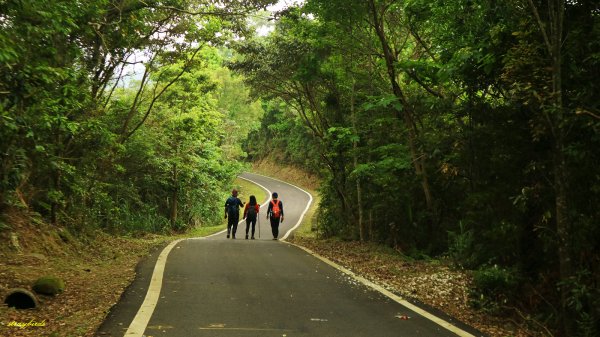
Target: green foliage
[
  {"x": 583, "y": 299},
  {"x": 86, "y": 147},
  {"x": 460, "y": 246},
  {"x": 440, "y": 124},
  {"x": 283, "y": 136},
  {"x": 330, "y": 224},
  {"x": 494, "y": 288},
  {"x": 170, "y": 173}
]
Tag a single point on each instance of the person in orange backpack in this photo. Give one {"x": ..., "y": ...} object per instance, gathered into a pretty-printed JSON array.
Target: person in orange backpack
[{"x": 275, "y": 213}]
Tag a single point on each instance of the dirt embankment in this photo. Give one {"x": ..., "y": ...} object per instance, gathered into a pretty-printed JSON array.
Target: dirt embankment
[{"x": 95, "y": 267}]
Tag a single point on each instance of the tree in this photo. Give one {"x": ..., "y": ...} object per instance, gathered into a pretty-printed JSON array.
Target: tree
[
  {"x": 491, "y": 100},
  {"x": 61, "y": 65}
]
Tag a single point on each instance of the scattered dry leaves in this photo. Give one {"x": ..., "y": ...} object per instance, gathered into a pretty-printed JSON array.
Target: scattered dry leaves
[{"x": 95, "y": 275}]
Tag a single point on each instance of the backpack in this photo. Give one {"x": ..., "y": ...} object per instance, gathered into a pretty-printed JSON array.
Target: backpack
[
  {"x": 275, "y": 211},
  {"x": 251, "y": 211},
  {"x": 232, "y": 206}
]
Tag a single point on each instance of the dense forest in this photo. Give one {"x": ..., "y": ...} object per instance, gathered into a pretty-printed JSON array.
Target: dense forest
[
  {"x": 120, "y": 115},
  {"x": 466, "y": 129}
]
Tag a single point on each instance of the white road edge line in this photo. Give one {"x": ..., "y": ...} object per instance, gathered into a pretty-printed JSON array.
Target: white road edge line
[
  {"x": 141, "y": 319},
  {"x": 447, "y": 325},
  {"x": 310, "y": 199}
]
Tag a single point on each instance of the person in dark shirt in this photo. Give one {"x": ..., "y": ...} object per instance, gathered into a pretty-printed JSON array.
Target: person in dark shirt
[
  {"x": 275, "y": 213},
  {"x": 232, "y": 213},
  {"x": 251, "y": 215}
]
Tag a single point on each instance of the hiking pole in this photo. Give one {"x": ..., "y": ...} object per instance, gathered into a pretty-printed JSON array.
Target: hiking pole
[{"x": 258, "y": 217}]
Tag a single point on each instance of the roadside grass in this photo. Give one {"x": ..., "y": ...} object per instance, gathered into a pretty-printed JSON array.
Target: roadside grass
[
  {"x": 245, "y": 190},
  {"x": 272, "y": 168},
  {"x": 205, "y": 231},
  {"x": 308, "y": 228}
]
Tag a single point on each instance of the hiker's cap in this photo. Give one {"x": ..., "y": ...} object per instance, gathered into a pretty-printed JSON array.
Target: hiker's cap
[{"x": 275, "y": 195}]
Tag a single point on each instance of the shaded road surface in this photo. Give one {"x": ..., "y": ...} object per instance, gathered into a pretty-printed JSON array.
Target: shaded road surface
[{"x": 220, "y": 287}]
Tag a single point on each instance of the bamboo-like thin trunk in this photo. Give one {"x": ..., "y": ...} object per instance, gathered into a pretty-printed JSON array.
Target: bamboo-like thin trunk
[
  {"x": 174, "y": 197},
  {"x": 361, "y": 229}
]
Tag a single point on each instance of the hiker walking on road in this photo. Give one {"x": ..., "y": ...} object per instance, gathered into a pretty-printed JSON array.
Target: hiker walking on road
[
  {"x": 232, "y": 213},
  {"x": 251, "y": 214},
  {"x": 275, "y": 213}
]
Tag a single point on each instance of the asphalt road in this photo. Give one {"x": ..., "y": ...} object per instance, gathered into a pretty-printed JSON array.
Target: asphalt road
[{"x": 222, "y": 287}]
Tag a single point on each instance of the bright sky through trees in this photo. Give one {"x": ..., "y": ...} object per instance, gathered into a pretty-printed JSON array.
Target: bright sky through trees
[{"x": 266, "y": 29}]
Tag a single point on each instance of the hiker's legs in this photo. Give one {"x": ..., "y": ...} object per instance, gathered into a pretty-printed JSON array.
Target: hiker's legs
[
  {"x": 253, "y": 222},
  {"x": 248, "y": 226},
  {"x": 232, "y": 223},
  {"x": 275, "y": 227},
  {"x": 235, "y": 224}
]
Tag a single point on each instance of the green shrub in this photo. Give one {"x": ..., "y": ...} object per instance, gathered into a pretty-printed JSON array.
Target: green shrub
[
  {"x": 460, "y": 246},
  {"x": 584, "y": 301},
  {"x": 494, "y": 287},
  {"x": 49, "y": 285}
]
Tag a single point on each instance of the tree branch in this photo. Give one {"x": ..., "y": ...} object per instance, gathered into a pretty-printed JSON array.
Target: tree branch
[
  {"x": 415, "y": 77},
  {"x": 112, "y": 89},
  {"x": 184, "y": 11},
  {"x": 415, "y": 34},
  {"x": 542, "y": 28},
  {"x": 581, "y": 111},
  {"x": 136, "y": 100},
  {"x": 156, "y": 97}
]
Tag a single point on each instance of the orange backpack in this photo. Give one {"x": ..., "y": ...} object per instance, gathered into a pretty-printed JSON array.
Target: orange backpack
[{"x": 275, "y": 211}]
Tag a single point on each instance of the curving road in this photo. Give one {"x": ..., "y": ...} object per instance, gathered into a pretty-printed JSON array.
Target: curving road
[{"x": 220, "y": 287}]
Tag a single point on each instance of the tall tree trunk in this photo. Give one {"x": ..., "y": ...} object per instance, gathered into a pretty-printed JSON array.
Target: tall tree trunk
[
  {"x": 553, "y": 40},
  {"x": 361, "y": 225},
  {"x": 56, "y": 178},
  {"x": 560, "y": 167},
  {"x": 418, "y": 157},
  {"x": 371, "y": 223},
  {"x": 563, "y": 232},
  {"x": 54, "y": 205}
]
